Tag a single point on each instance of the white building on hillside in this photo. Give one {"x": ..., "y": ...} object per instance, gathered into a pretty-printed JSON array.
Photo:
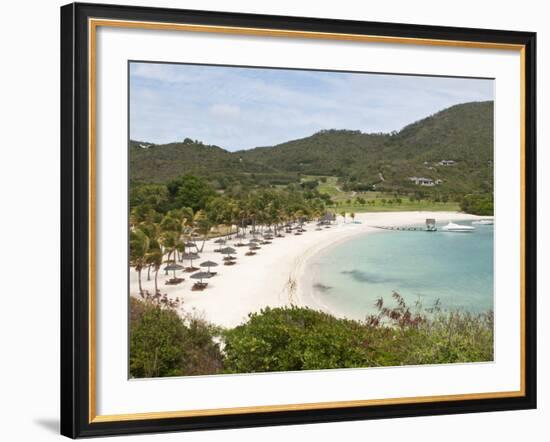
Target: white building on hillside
[
  {"x": 447, "y": 163},
  {"x": 421, "y": 181}
]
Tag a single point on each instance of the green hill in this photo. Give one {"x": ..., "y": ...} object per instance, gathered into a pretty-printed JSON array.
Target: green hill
[
  {"x": 161, "y": 163},
  {"x": 329, "y": 152},
  {"x": 461, "y": 133}
]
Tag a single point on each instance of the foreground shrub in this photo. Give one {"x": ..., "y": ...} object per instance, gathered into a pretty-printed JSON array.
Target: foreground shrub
[
  {"x": 431, "y": 336},
  {"x": 164, "y": 344},
  {"x": 292, "y": 338}
]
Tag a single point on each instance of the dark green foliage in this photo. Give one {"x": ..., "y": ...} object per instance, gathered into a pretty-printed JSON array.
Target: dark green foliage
[
  {"x": 190, "y": 191},
  {"x": 162, "y": 344},
  {"x": 477, "y": 204},
  {"x": 150, "y": 196},
  {"x": 156, "y": 339},
  {"x": 293, "y": 339}
]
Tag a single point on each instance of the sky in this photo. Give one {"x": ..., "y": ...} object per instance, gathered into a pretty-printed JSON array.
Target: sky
[{"x": 241, "y": 108}]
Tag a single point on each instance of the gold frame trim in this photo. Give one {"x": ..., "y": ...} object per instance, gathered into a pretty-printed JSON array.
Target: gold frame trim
[{"x": 93, "y": 24}]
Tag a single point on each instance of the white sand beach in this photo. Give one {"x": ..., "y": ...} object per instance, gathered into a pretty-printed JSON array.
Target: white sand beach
[{"x": 277, "y": 274}]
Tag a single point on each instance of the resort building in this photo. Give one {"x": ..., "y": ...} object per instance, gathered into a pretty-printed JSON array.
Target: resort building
[
  {"x": 447, "y": 163},
  {"x": 421, "y": 181}
]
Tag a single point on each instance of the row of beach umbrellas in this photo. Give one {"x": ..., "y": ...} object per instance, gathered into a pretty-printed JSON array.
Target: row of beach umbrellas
[
  {"x": 198, "y": 275},
  {"x": 228, "y": 251}
]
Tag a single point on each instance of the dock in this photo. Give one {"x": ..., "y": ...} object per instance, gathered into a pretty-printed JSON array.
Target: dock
[
  {"x": 405, "y": 228},
  {"x": 430, "y": 227}
]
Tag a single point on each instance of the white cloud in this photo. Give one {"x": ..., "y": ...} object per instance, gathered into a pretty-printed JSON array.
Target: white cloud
[
  {"x": 225, "y": 110},
  {"x": 241, "y": 108}
]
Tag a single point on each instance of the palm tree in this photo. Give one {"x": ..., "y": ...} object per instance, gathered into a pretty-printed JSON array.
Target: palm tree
[
  {"x": 171, "y": 228},
  {"x": 299, "y": 216},
  {"x": 152, "y": 230},
  {"x": 343, "y": 213},
  {"x": 243, "y": 214},
  {"x": 154, "y": 258},
  {"x": 202, "y": 225},
  {"x": 232, "y": 215},
  {"x": 139, "y": 245}
]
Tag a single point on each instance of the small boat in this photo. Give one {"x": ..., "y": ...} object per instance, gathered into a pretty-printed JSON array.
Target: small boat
[
  {"x": 484, "y": 222},
  {"x": 452, "y": 227}
]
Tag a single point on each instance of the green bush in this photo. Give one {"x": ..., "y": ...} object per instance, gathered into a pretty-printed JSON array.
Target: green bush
[
  {"x": 163, "y": 344},
  {"x": 291, "y": 339}
]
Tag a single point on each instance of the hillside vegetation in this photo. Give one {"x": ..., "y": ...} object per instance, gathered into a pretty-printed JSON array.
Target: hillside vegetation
[{"x": 355, "y": 162}]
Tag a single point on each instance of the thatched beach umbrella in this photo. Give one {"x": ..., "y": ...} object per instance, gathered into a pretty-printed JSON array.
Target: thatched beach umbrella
[
  {"x": 209, "y": 264},
  {"x": 190, "y": 257},
  {"x": 172, "y": 267},
  {"x": 221, "y": 242},
  {"x": 228, "y": 251},
  {"x": 201, "y": 275}
]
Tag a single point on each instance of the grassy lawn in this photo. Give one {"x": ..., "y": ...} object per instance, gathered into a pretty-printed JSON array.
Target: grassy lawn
[
  {"x": 376, "y": 201},
  {"x": 403, "y": 207},
  {"x": 330, "y": 188}
]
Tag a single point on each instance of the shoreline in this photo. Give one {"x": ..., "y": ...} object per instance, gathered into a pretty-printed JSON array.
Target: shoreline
[
  {"x": 307, "y": 275},
  {"x": 279, "y": 274}
]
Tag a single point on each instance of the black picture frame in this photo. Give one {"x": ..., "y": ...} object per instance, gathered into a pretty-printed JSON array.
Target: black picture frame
[{"x": 75, "y": 220}]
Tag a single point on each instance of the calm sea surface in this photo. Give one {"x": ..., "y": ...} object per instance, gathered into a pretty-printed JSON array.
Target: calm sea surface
[{"x": 456, "y": 268}]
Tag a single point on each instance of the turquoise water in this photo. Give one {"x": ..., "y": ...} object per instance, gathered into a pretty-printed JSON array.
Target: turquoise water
[{"x": 456, "y": 268}]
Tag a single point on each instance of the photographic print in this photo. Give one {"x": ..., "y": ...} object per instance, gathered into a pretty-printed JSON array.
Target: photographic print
[
  {"x": 287, "y": 219},
  {"x": 272, "y": 220}
]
